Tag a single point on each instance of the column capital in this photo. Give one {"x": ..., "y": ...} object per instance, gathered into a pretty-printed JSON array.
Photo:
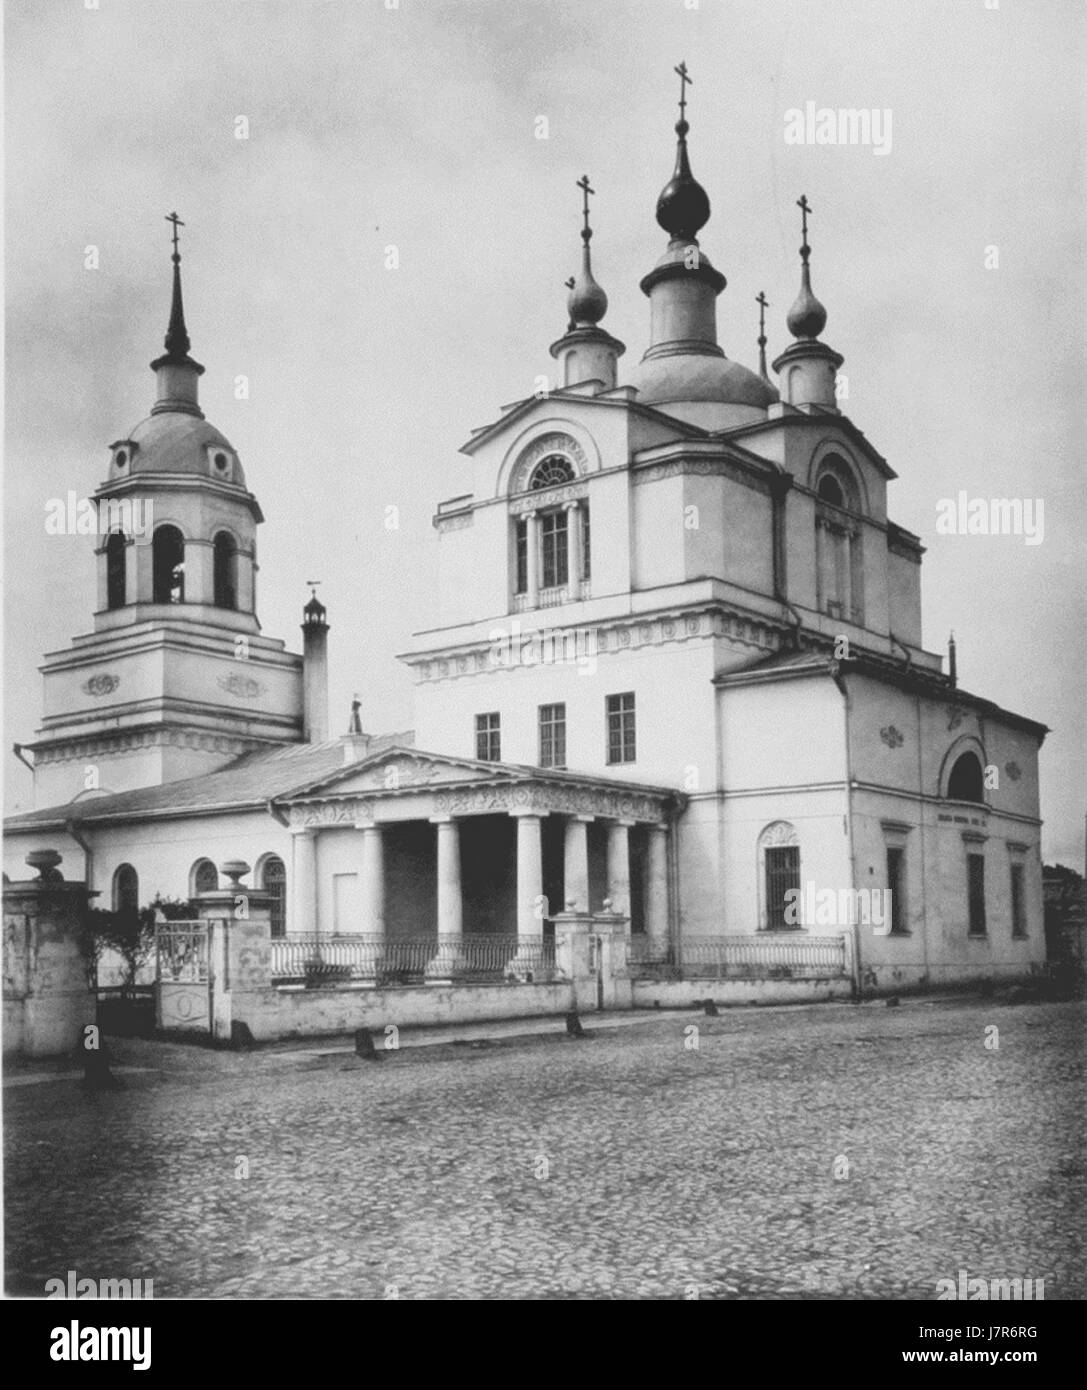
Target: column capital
[
  {"x": 304, "y": 831},
  {"x": 443, "y": 820},
  {"x": 573, "y": 506},
  {"x": 527, "y": 813},
  {"x": 587, "y": 820},
  {"x": 365, "y": 825},
  {"x": 529, "y": 516}
]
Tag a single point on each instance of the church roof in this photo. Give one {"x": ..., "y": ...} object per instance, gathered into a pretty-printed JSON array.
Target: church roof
[
  {"x": 176, "y": 442},
  {"x": 916, "y": 679},
  {"x": 249, "y": 781}
]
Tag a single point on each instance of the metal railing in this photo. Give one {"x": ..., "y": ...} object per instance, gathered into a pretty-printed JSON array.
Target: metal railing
[
  {"x": 315, "y": 959},
  {"x": 181, "y": 953},
  {"x": 767, "y": 955}
]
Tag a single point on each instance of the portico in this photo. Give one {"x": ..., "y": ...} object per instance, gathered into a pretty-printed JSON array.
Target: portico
[{"x": 413, "y": 845}]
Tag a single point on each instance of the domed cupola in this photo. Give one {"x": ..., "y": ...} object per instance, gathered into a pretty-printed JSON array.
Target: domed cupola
[
  {"x": 179, "y": 478},
  {"x": 684, "y": 371},
  {"x": 587, "y": 352},
  {"x": 808, "y": 368}
]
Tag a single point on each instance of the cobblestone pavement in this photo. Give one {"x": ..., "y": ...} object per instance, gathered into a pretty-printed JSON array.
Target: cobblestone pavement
[{"x": 850, "y": 1152}]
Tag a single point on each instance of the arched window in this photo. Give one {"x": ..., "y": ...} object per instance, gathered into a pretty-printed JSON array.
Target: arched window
[
  {"x": 779, "y": 874},
  {"x": 168, "y": 565},
  {"x": 126, "y": 889},
  {"x": 115, "y": 570},
  {"x": 966, "y": 782},
  {"x": 203, "y": 878},
  {"x": 838, "y": 541},
  {"x": 550, "y": 472},
  {"x": 273, "y": 879},
  {"x": 226, "y": 570}
]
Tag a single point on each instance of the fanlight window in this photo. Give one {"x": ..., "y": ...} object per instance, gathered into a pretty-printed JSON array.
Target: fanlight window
[
  {"x": 204, "y": 877},
  {"x": 966, "y": 782},
  {"x": 550, "y": 472},
  {"x": 273, "y": 880},
  {"x": 126, "y": 889}
]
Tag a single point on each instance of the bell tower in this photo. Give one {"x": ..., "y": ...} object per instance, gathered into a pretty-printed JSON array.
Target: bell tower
[{"x": 176, "y": 677}]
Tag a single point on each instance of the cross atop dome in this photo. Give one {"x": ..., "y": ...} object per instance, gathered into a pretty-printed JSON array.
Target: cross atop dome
[{"x": 683, "y": 208}]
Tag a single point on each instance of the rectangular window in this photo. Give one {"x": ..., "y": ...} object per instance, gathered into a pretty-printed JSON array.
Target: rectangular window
[
  {"x": 975, "y": 882},
  {"x": 1019, "y": 921},
  {"x": 554, "y": 536},
  {"x": 586, "y": 546},
  {"x": 896, "y": 886},
  {"x": 621, "y": 743},
  {"x": 522, "y": 557},
  {"x": 488, "y": 738},
  {"x": 782, "y": 875},
  {"x": 552, "y": 735}
]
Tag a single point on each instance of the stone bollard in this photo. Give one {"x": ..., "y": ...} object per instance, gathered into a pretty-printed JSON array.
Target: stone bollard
[
  {"x": 573, "y": 1024},
  {"x": 364, "y": 1045}
]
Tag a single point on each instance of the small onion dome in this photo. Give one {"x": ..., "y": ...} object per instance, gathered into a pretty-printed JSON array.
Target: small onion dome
[
  {"x": 683, "y": 207},
  {"x": 586, "y": 303},
  {"x": 807, "y": 318}
]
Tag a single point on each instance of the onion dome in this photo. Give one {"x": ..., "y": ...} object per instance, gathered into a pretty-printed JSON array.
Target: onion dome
[{"x": 807, "y": 318}]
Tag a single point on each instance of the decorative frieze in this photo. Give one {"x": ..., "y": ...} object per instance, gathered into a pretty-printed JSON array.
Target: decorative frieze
[
  {"x": 241, "y": 687},
  {"x": 700, "y": 467},
  {"x": 473, "y": 799}
]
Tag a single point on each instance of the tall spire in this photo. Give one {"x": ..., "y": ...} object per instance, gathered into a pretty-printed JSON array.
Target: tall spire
[
  {"x": 683, "y": 208},
  {"x": 177, "y": 372},
  {"x": 807, "y": 318},
  {"x": 764, "y": 304}
]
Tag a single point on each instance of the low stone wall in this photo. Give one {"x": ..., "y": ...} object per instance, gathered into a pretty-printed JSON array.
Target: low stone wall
[
  {"x": 292, "y": 1011},
  {"x": 672, "y": 994}
]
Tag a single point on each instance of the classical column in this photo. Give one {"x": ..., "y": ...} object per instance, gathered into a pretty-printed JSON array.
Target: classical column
[
  {"x": 576, "y": 863},
  {"x": 532, "y": 547},
  {"x": 531, "y": 905},
  {"x": 656, "y": 888},
  {"x": 303, "y": 918},
  {"x": 619, "y": 866},
  {"x": 573, "y": 547},
  {"x": 450, "y": 956},
  {"x": 373, "y": 880}
]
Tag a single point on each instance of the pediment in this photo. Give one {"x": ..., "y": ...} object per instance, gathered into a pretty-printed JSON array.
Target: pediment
[{"x": 396, "y": 769}]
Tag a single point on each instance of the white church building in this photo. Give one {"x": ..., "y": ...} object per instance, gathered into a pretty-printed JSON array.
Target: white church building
[{"x": 676, "y": 665}]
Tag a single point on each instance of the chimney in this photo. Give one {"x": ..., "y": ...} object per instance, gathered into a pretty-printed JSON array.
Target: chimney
[{"x": 314, "y": 670}]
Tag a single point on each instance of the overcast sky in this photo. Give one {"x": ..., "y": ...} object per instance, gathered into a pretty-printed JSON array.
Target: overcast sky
[{"x": 416, "y": 126}]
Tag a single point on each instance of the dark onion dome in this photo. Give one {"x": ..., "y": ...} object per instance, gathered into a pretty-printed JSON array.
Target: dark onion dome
[
  {"x": 683, "y": 207},
  {"x": 587, "y": 303},
  {"x": 807, "y": 318}
]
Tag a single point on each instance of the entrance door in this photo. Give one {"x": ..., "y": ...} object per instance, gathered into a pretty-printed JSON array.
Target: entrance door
[{"x": 346, "y": 904}]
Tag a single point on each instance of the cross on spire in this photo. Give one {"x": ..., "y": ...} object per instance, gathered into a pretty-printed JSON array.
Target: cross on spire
[
  {"x": 177, "y": 222},
  {"x": 764, "y": 304},
  {"x": 805, "y": 207},
  {"x": 583, "y": 184},
  {"x": 684, "y": 83}
]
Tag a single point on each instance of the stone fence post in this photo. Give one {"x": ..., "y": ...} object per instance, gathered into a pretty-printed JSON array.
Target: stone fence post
[
  {"x": 239, "y": 922},
  {"x": 572, "y": 931},
  {"x": 613, "y": 930},
  {"x": 48, "y": 997}
]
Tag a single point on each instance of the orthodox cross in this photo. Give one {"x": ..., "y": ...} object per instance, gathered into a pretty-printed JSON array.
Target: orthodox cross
[
  {"x": 583, "y": 184},
  {"x": 805, "y": 207},
  {"x": 764, "y": 304},
  {"x": 684, "y": 81},
  {"x": 177, "y": 222}
]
